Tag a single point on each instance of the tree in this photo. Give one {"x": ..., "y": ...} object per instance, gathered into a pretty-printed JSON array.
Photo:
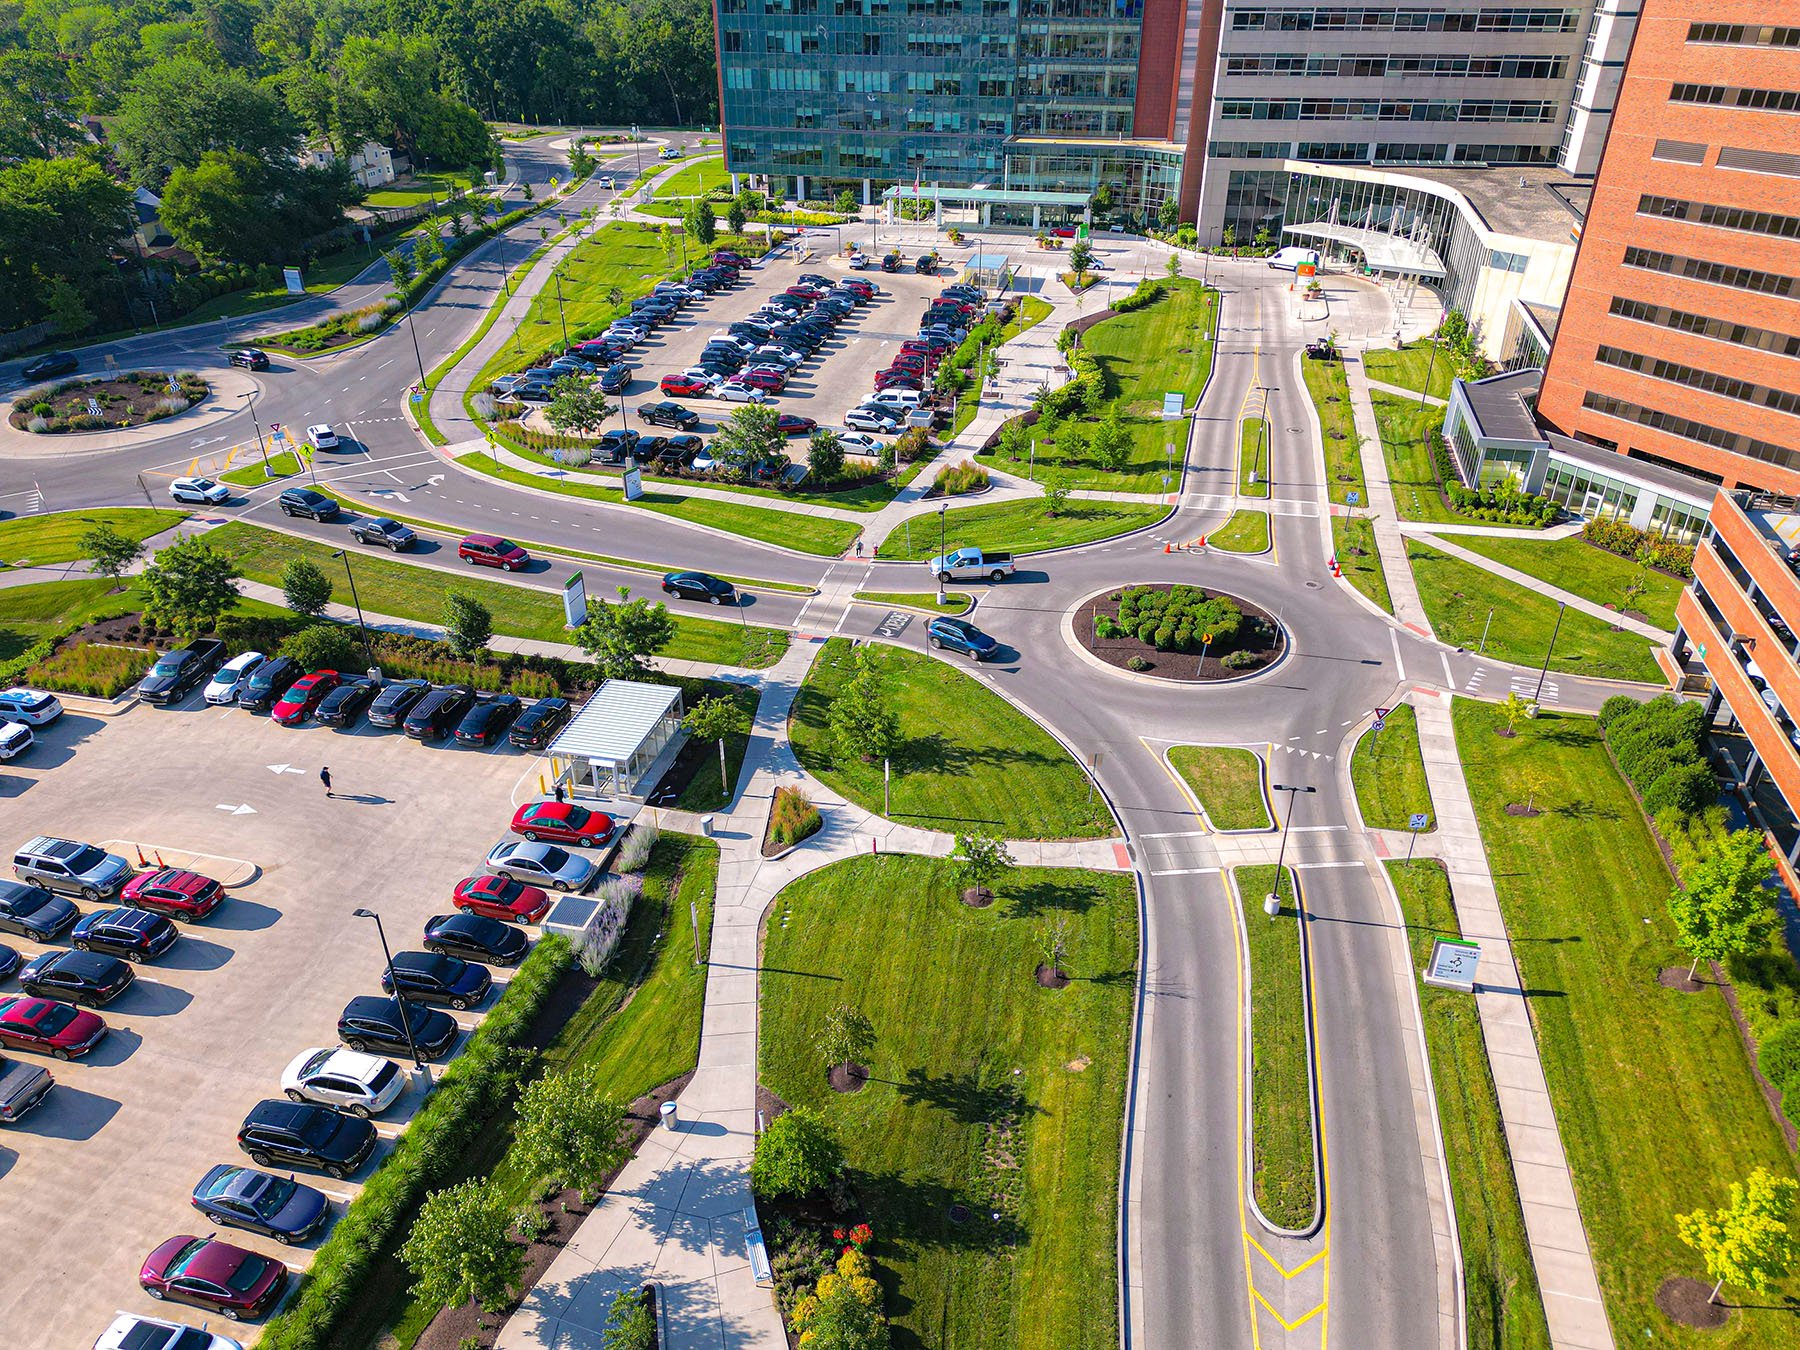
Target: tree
[
  {"x": 1053, "y": 942},
  {"x": 468, "y": 624},
  {"x": 400, "y": 265},
  {"x": 190, "y": 583},
  {"x": 68, "y": 311},
  {"x": 825, "y": 455},
  {"x": 182, "y": 108},
  {"x": 460, "y": 1247},
  {"x": 713, "y": 718},
  {"x": 665, "y": 234},
  {"x": 577, "y": 405},
  {"x": 305, "y": 587},
  {"x": 581, "y": 163},
  {"x": 752, "y": 434},
  {"x": 1081, "y": 258},
  {"x": 322, "y": 646},
  {"x": 622, "y": 636},
  {"x": 845, "y": 1037},
  {"x": 1229, "y": 238},
  {"x": 735, "y": 219},
  {"x": 846, "y": 204},
  {"x": 861, "y": 718},
  {"x": 1110, "y": 444},
  {"x": 1513, "y": 710},
  {"x": 109, "y": 553},
  {"x": 570, "y": 1130},
  {"x": 1056, "y": 493},
  {"x": 796, "y": 1156},
  {"x": 1723, "y": 907},
  {"x": 59, "y": 219},
  {"x": 630, "y": 1325},
  {"x": 1168, "y": 214},
  {"x": 1172, "y": 268},
  {"x": 428, "y": 250},
  {"x": 700, "y": 221},
  {"x": 615, "y": 297},
  {"x": 1537, "y": 780},
  {"x": 981, "y": 860},
  {"x": 1015, "y": 440},
  {"x": 1747, "y": 1244}
]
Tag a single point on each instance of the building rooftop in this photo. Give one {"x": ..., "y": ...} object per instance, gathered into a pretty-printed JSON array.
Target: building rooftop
[
  {"x": 1669, "y": 482},
  {"x": 1540, "y": 209},
  {"x": 616, "y": 721},
  {"x": 1501, "y": 404},
  {"x": 1544, "y": 316}
]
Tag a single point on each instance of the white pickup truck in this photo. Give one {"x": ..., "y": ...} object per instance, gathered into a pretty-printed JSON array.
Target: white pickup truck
[
  {"x": 971, "y": 564},
  {"x": 22, "y": 1086}
]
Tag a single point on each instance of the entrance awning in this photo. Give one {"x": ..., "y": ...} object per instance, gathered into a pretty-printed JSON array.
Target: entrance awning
[{"x": 1384, "y": 252}]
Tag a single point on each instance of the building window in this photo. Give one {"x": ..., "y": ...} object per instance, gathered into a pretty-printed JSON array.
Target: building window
[
  {"x": 1508, "y": 262},
  {"x": 1719, "y": 274},
  {"x": 1720, "y": 217},
  {"x": 1525, "y": 110},
  {"x": 1743, "y": 35},
  {"x": 1723, "y": 330},
  {"x": 1730, "y": 96},
  {"x": 1726, "y": 386},
  {"x": 1689, "y": 430},
  {"x": 1511, "y": 19}
]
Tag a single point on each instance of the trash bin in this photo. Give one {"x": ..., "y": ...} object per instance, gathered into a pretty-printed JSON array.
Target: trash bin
[
  {"x": 668, "y": 1115},
  {"x": 706, "y": 826}
]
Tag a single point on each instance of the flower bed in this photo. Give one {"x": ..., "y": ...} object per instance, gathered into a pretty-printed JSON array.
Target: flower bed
[
  {"x": 340, "y": 330},
  {"x": 128, "y": 400},
  {"x": 792, "y": 819},
  {"x": 1161, "y": 630}
]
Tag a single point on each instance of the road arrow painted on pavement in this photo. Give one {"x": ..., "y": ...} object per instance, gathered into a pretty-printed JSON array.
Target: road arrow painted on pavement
[
  {"x": 434, "y": 480},
  {"x": 243, "y": 809},
  {"x": 284, "y": 768}
]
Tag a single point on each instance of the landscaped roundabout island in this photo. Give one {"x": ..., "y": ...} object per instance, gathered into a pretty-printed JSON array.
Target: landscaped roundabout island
[
  {"x": 1178, "y": 632},
  {"x": 127, "y": 400}
]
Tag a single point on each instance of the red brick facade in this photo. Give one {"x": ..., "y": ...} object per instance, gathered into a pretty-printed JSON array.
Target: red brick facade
[{"x": 1159, "y": 68}]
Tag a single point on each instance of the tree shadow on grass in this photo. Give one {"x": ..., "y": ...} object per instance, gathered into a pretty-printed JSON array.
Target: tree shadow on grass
[
  {"x": 1048, "y": 897},
  {"x": 964, "y": 1096},
  {"x": 1582, "y": 809},
  {"x": 916, "y": 1210}
]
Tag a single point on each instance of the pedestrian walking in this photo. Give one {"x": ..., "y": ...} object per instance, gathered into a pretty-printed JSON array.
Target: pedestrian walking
[
  {"x": 559, "y": 793},
  {"x": 325, "y": 778}
]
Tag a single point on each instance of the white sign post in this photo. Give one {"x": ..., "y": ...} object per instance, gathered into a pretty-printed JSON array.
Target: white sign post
[
  {"x": 575, "y": 606},
  {"x": 634, "y": 483}
]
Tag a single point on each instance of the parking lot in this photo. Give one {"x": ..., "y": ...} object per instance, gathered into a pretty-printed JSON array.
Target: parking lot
[{"x": 101, "y": 1172}]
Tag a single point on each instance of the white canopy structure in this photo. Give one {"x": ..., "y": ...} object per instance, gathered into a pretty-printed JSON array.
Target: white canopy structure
[
  {"x": 1384, "y": 252},
  {"x": 621, "y": 742}
]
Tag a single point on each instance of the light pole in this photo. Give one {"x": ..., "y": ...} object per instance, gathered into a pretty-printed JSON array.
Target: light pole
[
  {"x": 405, "y": 1014},
  {"x": 1272, "y": 902},
  {"x": 943, "y": 557},
  {"x": 413, "y": 333},
  {"x": 1544, "y": 669},
  {"x": 1430, "y": 363},
  {"x": 560, "y": 317},
  {"x": 368, "y": 651},
  {"x": 250, "y": 403}
]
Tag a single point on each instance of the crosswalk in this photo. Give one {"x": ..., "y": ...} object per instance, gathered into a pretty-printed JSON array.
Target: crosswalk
[{"x": 1525, "y": 685}]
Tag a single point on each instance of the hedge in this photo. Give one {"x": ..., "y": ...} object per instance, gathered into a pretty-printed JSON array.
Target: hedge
[
  {"x": 475, "y": 1085},
  {"x": 1617, "y": 536},
  {"x": 1663, "y": 738}
]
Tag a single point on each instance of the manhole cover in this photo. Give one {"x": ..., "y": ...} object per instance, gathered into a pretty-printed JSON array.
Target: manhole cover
[
  {"x": 1312, "y": 585},
  {"x": 959, "y": 1214}
]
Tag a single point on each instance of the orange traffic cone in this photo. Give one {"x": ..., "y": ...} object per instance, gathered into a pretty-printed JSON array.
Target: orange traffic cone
[
  {"x": 1202, "y": 543},
  {"x": 1168, "y": 548},
  {"x": 159, "y": 861},
  {"x": 142, "y": 860}
]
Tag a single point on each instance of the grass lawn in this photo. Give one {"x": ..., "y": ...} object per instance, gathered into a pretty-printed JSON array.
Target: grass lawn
[
  {"x": 955, "y": 602},
  {"x": 1592, "y": 573},
  {"x": 29, "y": 614},
  {"x": 1407, "y": 434},
  {"x": 37, "y": 541},
  {"x": 1389, "y": 773},
  {"x": 419, "y": 189},
  {"x": 1330, "y": 393},
  {"x": 695, "y": 179},
  {"x": 1228, "y": 782},
  {"x": 967, "y": 759},
  {"x": 1363, "y": 570},
  {"x": 1458, "y": 595},
  {"x": 1018, "y": 527},
  {"x": 639, "y": 1029},
  {"x": 1281, "y": 1118},
  {"x": 788, "y": 529},
  {"x": 407, "y": 591},
  {"x": 706, "y": 791},
  {"x": 1253, "y": 453},
  {"x": 1658, "y": 1112},
  {"x": 1246, "y": 532},
  {"x": 1014, "y": 1106},
  {"x": 285, "y": 464},
  {"x": 1505, "y": 1311},
  {"x": 1406, "y": 367}
]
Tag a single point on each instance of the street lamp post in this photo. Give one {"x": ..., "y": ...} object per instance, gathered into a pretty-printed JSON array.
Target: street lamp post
[
  {"x": 368, "y": 651},
  {"x": 560, "y": 317},
  {"x": 1272, "y": 902},
  {"x": 405, "y": 1014},
  {"x": 1561, "y": 606},
  {"x": 413, "y": 333},
  {"x": 942, "y": 550},
  {"x": 250, "y": 403}
]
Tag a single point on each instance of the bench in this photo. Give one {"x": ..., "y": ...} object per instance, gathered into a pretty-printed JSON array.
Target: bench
[{"x": 758, "y": 1251}]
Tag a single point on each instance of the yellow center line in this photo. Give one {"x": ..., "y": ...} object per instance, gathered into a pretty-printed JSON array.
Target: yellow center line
[{"x": 1298, "y": 1322}]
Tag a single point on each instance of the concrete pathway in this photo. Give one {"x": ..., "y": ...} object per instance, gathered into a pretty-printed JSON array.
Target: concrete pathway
[
  {"x": 1381, "y": 509},
  {"x": 1562, "y": 531},
  {"x": 1542, "y": 587},
  {"x": 1559, "y": 1245},
  {"x": 1401, "y": 391}
]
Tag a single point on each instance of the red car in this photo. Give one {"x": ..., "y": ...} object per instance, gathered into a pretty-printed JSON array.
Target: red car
[
  {"x": 174, "y": 891},
  {"x": 490, "y": 550},
  {"x": 214, "y": 1275},
  {"x": 909, "y": 361},
  {"x": 725, "y": 255},
  {"x": 898, "y": 379},
  {"x": 806, "y": 292},
  {"x": 792, "y": 424},
  {"x": 501, "y": 898},
  {"x": 684, "y": 386},
  {"x": 861, "y": 287},
  {"x": 766, "y": 380},
  {"x": 303, "y": 695},
  {"x": 50, "y": 1027},
  {"x": 564, "y": 823}
]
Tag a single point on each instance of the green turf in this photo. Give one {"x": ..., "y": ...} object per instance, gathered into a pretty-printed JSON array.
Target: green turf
[
  {"x": 1246, "y": 532},
  {"x": 1362, "y": 569},
  {"x": 284, "y": 463},
  {"x": 1228, "y": 782},
  {"x": 404, "y": 590},
  {"x": 1018, "y": 527},
  {"x": 706, "y": 791},
  {"x": 1407, "y": 435},
  {"x": 421, "y": 189},
  {"x": 1592, "y": 573},
  {"x": 1652, "y": 1089},
  {"x": 1458, "y": 595},
  {"x": 38, "y": 541},
  {"x": 967, "y": 759},
  {"x": 1011, "y": 1107},
  {"x": 1330, "y": 394},
  {"x": 1389, "y": 773},
  {"x": 29, "y": 614},
  {"x": 1501, "y": 1301},
  {"x": 1407, "y": 367},
  {"x": 696, "y": 178},
  {"x": 1253, "y": 453},
  {"x": 1281, "y": 1117},
  {"x": 955, "y": 602}
]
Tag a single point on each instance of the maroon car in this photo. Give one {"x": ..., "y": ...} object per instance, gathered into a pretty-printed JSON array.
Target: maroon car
[
  {"x": 793, "y": 424},
  {"x": 49, "y": 1027},
  {"x": 174, "y": 891},
  {"x": 564, "y": 823},
  {"x": 766, "y": 380},
  {"x": 501, "y": 898},
  {"x": 303, "y": 696},
  {"x": 214, "y": 1275}
]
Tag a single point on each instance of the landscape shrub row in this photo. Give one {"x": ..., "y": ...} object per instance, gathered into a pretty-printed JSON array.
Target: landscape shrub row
[
  {"x": 1178, "y": 619},
  {"x": 1502, "y": 503},
  {"x": 1660, "y": 748},
  {"x": 955, "y": 479},
  {"x": 1628, "y": 541},
  {"x": 339, "y": 329},
  {"x": 792, "y": 818}
]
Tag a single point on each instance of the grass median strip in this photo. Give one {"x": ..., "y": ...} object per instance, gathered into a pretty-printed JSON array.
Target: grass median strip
[
  {"x": 409, "y": 591},
  {"x": 1281, "y": 1115},
  {"x": 1253, "y": 458},
  {"x": 1388, "y": 772},
  {"x": 39, "y": 541},
  {"x": 1353, "y": 544},
  {"x": 955, "y": 602},
  {"x": 282, "y": 464},
  {"x": 1246, "y": 532},
  {"x": 1018, "y": 527},
  {"x": 1504, "y": 1306},
  {"x": 1329, "y": 390},
  {"x": 1228, "y": 782}
]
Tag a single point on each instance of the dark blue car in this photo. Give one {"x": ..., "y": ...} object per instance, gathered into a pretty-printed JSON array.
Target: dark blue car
[
  {"x": 277, "y": 1207},
  {"x": 959, "y": 636}
]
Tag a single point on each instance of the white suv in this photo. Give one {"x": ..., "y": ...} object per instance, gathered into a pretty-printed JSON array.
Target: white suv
[
  {"x": 363, "y": 1085},
  {"x": 15, "y": 738}
]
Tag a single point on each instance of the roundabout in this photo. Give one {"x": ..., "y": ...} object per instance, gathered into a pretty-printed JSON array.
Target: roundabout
[{"x": 1178, "y": 632}]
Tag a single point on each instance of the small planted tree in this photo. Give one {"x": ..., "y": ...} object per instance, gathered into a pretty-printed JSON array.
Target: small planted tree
[
  {"x": 796, "y": 1156},
  {"x": 1748, "y": 1244},
  {"x": 713, "y": 718},
  {"x": 305, "y": 587},
  {"x": 735, "y": 219},
  {"x": 1110, "y": 445},
  {"x": 460, "y": 1247},
  {"x": 700, "y": 221},
  {"x": 109, "y": 553},
  {"x": 623, "y": 636},
  {"x": 752, "y": 434},
  {"x": 1724, "y": 908},
  {"x": 845, "y": 1039},
  {"x": 845, "y": 205},
  {"x": 570, "y": 1130},
  {"x": 1081, "y": 258},
  {"x": 1056, "y": 494},
  {"x": 825, "y": 455},
  {"x": 1172, "y": 268},
  {"x": 1053, "y": 945},
  {"x": 1513, "y": 710},
  {"x": 468, "y": 625},
  {"x": 190, "y": 583},
  {"x": 861, "y": 719},
  {"x": 321, "y": 646},
  {"x": 577, "y": 406},
  {"x": 981, "y": 861}
]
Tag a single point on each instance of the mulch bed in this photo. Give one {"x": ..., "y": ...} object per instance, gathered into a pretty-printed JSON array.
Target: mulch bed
[
  {"x": 1186, "y": 666},
  {"x": 849, "y": 1078},
  {"x": 1521, "y": 809},
  {"x": 1685, "y": 1303},
  {"x": 1048, "y": 977},
  {"x": 977, "y": 897},
  {"x": 1676, "y": 977},
  {"x": 124, "y": 402}
]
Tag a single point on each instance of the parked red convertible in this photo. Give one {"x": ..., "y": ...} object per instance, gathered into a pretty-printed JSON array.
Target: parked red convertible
[{"x": 563, "y": 823}]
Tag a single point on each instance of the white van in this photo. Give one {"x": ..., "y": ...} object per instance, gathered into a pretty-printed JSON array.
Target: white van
[{"x": 1289, "y": 259}]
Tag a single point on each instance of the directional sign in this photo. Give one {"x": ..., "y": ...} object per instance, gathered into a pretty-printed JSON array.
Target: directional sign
[
  {"x": 1419, "y": 820},
  {"x": 242, "y": 809},
  {"x": 1378, "y": 724},
  {"x": 1353, "y": 496},
  {"x": 1453, "y": 964}
]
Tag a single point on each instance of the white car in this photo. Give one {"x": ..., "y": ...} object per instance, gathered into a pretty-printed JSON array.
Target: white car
[
  {"x": 224, "y": 685},
  {"x": 859, "y": 443},
  {"x": 321, "y": 437},
  {"x": 363, "y": 1085},
  {"x": 733, "y": 391},
  {"x": 541, "y": 865},
  {"x": 33, "y": 707},
  {"x": 199, "y": 491},
  {"x": 132, "y": 1332},
  {"x": 606, "y": 181},
  {"x": 15, "y": 738},
  {"x": 871, "y": 419},
  {"x": 902, "y": 400},
  {"x": 709, "y": 378},
  {"x": 743, "y": 344}
]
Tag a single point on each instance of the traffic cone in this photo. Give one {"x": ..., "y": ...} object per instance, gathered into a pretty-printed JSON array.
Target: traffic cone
[
  {"x": 1168, "y": 548},
  {"x": 159, "y": 861},
  {"x": 142, "y": 860},
  {"x": 1202, "y": 543}
]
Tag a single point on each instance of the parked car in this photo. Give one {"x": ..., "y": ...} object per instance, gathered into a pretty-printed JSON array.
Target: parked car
[
  {"x": 320, "y": 436},
  {"x": 440, "y": 710},
  {"x": 678, "y": 451},
  {"x": 965, "y": 564},
  {"x": 262, "y": 687},
  {"x": 792, "y": 424},
  {"x": 666, "y": 414},
  {"x": 348, "y": 1080},
  {"x": 302, "y": 1134},
  {"x": 533, "y": 728},
  {"x": 345, "y": 703},
  {"x": 249, "y": 358},
  {"x": 71, "y": 867},
  {"x": 429, "y": 977},
  {"x": 230, "y": 677},
  {"x": 22, "y": 1087},
  {"x": 501, "y": 897},
  {"x": 48, "y": 1027},
  {"x": 277, "y": 1207},
  {"x": 199, "y": 491},
  {"x": 901, "y": 400},
  {"x": 174, "y": 892},
  {"x": 395, "y": 701},
  {"x": 490, "y": 550},
  {"x": 302, "y": 696},
  {"x": 51, "y": 365},
  {"x": 76, "y": 977},
  {"x": 770, "y": 381},
  {"x": 177, "y": 672},
  {"x": 371, "y": 1022},
  {"x": 380, "y": 530},
  {"x": 541, "y": 864},
  {"x": 616, "y": 446},
  {"x": 683, "y": 385},
  {"x": 735, "y": 390},
  {"x": 207, "y": 1273},
  {"x": 305, "y": 502},
  {"x": 135, "y": 934},
  {"x": 128, "y": 1331},
  {"x": 33, "y": 707},
  {"x": 615, "y": 379},
  {"x": 871, "y": 419},
  {"x": 33, "y": 912},
  {"x": 15, "y": 739},
  {"x": 474, "y": 937},
  {"x": 700, "y": 586},
  {"x": 563, "y": 823},
  {"x": 487, "y": 721}
]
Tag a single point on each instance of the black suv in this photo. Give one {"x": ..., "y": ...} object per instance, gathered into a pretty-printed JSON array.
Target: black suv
[
  {"x": 427, "y": 977},
  {"x": 56, "y": 363},
  {"x": 372, "y": 1025},
  {"x": 538, "y": 723},
  {"x": 131, "y": 933},
  {"x": 77, "y": 977},
  {"x": 176, "y": 672},
  {"x": 300, "y": 1134},
  {"x": 393, "y": 703},
  {"x": 267, "y": 683},
  {"x": 34, "y": 912},
  {"x": 667, "y": 414},
  {"x": 249, "y": 358},
  {"x": 440, "y": 710},
  {"x": 306, "y": 502}
]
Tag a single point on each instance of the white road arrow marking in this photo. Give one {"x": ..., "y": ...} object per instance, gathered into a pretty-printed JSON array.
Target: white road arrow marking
[
  {"x": 284, "y": 768},
  {"x": 242, "y": 809},
  {"x": 434, "y": 480}
]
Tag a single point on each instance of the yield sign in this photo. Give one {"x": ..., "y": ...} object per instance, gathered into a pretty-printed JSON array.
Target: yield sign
[{"x": 1381, "y": 714}]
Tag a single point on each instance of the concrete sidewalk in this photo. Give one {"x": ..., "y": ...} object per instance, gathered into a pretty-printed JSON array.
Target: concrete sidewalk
[
  {"x": 1381, "y": 509},
  {"x": 1559, "y": 1245}
]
